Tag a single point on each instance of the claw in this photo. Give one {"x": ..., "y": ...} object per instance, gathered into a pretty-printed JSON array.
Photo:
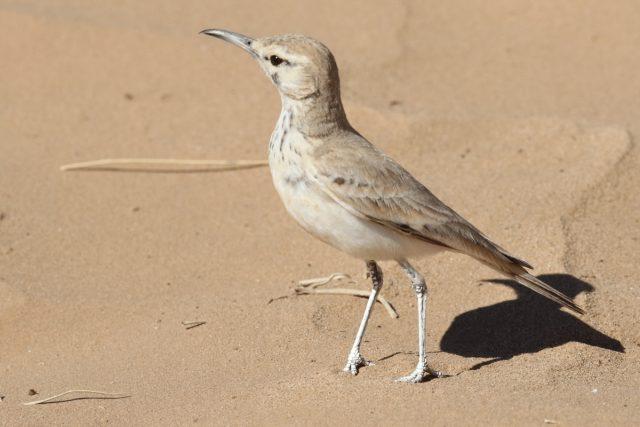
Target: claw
[
  {"x": 420, "y": 374},
  {"x": 356, "y": 362}
]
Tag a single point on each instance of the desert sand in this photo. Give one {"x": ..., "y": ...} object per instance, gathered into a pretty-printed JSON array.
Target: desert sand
[{"x": 520, "y": 115}]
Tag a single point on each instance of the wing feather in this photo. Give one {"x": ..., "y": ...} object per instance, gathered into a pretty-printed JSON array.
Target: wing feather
[{"x": 370, "y": 184}]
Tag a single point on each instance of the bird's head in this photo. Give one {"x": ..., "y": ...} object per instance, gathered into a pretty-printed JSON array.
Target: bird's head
[{"x": 299, "y": 66}]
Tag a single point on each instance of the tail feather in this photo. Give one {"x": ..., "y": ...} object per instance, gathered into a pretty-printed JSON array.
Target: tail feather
[
  {"x": 516, "y": 260},
  {"x": 461, "y": 236},
  {"x": 544, "y": 289},
  {"x": 499, "y": 259}
]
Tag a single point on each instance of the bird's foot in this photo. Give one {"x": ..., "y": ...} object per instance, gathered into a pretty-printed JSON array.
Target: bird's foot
[
  {"x": 422, "y": 373},
  {"x": 354, "y": 362}
]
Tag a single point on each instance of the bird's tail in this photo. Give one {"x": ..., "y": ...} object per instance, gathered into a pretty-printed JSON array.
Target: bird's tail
[
  {"x": 499, "y": 259},
  {"x": 544, "y": 289},
  {"x": 465, "y": 238}
]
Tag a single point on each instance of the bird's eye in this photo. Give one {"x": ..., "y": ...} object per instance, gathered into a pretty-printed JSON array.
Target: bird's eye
[{"x": 275, "y": 60}]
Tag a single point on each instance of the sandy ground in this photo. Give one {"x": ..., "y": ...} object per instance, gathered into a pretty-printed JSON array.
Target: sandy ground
[{"x": 521, "y": 115}]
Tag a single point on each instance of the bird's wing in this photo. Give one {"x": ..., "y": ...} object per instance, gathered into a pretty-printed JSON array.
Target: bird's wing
[{"x": 371, "y": 185}]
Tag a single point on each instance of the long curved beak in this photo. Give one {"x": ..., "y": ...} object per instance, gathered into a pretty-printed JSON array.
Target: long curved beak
[{"x": 234, "y": 38}]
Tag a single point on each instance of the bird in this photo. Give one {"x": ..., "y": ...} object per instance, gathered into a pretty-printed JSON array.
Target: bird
[{"x": 349, "y": 194}]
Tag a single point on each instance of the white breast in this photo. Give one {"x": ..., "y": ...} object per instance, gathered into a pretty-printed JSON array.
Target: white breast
[{"x": 319, "y": 214}]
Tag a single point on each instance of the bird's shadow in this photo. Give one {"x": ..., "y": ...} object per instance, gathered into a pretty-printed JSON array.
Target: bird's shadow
[{"x": 527, "y": 324}]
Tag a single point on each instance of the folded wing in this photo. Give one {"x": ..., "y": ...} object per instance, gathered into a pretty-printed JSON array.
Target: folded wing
[{"x": 373, "y": 186}]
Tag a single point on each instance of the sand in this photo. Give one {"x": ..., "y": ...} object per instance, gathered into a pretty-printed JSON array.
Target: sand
[{"x": 520, "y": 115}]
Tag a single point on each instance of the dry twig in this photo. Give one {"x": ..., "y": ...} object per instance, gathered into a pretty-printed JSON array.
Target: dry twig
[
  {"x": 319, "y": 281},
  {"x": 124, "y": 164},
  {"x": 190, "y": 324},
  {"x": 309, "y": 286},
  {"x": 97, "y": 395}
]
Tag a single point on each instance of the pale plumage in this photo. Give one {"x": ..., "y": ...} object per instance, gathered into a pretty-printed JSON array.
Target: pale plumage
[{"x": 349, "y": 194}]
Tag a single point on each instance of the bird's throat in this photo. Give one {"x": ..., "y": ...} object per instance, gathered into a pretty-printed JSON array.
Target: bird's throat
[{"x": 316, "y": 116}]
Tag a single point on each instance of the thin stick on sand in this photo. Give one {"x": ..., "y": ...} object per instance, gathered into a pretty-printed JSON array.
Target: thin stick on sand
[
  {"x": 96, "y": 395},
  {"x": 123, "y": 164},
  {"x": 190, "y": 324},
  {"x": 309, "y": 286},
  {"x": 319, "y": 281}
]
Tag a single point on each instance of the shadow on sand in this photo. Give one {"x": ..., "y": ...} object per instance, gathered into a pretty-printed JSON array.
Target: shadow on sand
[{"x": 527, "y": 324}]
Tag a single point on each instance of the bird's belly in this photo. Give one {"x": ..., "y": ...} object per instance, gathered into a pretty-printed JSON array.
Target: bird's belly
[{"x": 327, "y": 220}]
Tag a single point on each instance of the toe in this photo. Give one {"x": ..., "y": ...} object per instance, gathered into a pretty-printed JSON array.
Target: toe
[
  {"x": 355, "y": 363},
  {"x": 351, "y": 368},
  {"x": 413, "y": 378},
  {"x": 421, "y": 374}
]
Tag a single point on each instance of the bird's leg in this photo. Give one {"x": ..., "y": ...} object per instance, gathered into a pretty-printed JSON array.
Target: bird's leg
[
  {"x": 422, "y": 371},
  {"x": 355, "y": 359}
]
